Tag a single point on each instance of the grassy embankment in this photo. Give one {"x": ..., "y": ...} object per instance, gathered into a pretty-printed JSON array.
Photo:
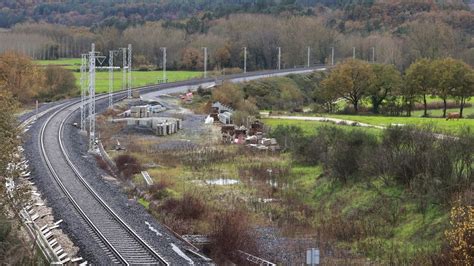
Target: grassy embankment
[
  {"x": 139, "y": 78},
  {"x": 441, "y": 125},
  {"x": 373, "y": 217}
]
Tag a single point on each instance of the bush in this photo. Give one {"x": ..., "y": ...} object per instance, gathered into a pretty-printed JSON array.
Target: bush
[
  {"x": 342, "y": 153},
  {"x": 186, "y": 208},
  {"x": 231, "y": 232},
  {"x": 346, "y": 152},
  {"x": 59, "y": 83},
  {"x": 127, "y": 165},
  {"x": 160, "y": 190},
  {"x": 289, "y": 137},
  {"x": 432, "y": 165}
]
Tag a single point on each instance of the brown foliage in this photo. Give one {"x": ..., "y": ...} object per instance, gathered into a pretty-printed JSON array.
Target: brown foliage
[
  {"x": 59, "y": 83},
  {"x": 231, "y": 232},
  {"x": 19, "y": 76},
  {"x": 188, "y": 207},
  {"x": 192, "y": 58},
  {"x": 128, "y": 165}
]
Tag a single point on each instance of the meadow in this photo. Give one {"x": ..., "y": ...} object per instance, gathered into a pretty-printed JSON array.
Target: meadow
[
  {"x": 139, "y": 78},
  {"x": 441, "y": 125}
]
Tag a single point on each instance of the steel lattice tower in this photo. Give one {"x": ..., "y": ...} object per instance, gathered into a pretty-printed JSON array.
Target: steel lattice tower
[
  {"x": 124, "y": 68},
  {"x": 111, "y": 78},
  {"x": 92, "y": 98},
  {"x": 83, "y": 90}
]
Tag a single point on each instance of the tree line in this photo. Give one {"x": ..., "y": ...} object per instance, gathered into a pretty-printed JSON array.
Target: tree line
[
  {"x": 25, "y": 81},
  {"x": 387, "y": 89},
  {"x": 396, "y": 33}
]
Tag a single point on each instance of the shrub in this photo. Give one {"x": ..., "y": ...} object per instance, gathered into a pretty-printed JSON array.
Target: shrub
[
  {"x": 289, "y": 137},
  {"x": 127, "y": 165},
  {"x": 186, "y": 208},
  {"x": 346, "y": 153},
  {"x": 431, "y": 165},
  {"x": 343, "y": 153},
  {"x": 460, "y": 235},
  {"x": 59, "y": 82},
  {"x": 231, "y": 232},
  {"x": 160, "y": 190}
]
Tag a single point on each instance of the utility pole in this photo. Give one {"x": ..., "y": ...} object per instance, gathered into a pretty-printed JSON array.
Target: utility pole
[
  {"x": 164, "y": 64},
  {"x": 279, "y": 58},
  {"x": 205, "y": 62},
  {"x": 111, "y": 78},
  {"x": 373, "y": 54},
  {"x": 309, "y": 54},
  {"x": 245, "y": 59},
  {"x": 353, "y": 53},
  {"x": 124, "y": 68},
  {"x": 129, "y": 90},
  {"x": 92, "y": 98},
  {"x": 83, "y": 91},
  {"x": 332, "y": 56}
]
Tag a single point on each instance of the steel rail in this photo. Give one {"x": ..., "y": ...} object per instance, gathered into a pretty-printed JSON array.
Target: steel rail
[
  {"x": 66, "y": 192},
  {"x": 159, "y": 258},
  {"x": 115, "y": 254}
]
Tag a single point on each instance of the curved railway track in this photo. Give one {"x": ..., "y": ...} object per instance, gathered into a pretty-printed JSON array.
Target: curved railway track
[
  {"x": 114, "y": 236},
  {"x": 118, "y": 240}
]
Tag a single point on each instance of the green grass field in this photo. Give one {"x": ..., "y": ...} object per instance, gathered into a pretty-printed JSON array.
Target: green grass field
[
  {"x": 139, "y": 78},
  {"x": 69, "y": 63},
  {"x": 440, "y": 124},
  {"x": 310, "y": 127},
  {"x": 451, "y": 126}
]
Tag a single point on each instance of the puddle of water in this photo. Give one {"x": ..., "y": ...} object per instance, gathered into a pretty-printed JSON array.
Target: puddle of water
[{"x": 222, "y": 181}]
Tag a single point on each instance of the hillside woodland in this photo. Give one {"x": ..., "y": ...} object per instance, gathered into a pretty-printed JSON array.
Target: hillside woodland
[{"x": 395, "y": 32}]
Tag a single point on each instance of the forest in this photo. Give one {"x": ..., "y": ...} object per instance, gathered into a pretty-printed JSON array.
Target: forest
[{"x": 394, "y": 32}]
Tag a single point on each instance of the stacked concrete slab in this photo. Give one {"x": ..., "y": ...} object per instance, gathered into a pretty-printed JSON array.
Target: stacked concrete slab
[
  {"x": 143, "y": 111},
  {"x": 161, "y": 126}
]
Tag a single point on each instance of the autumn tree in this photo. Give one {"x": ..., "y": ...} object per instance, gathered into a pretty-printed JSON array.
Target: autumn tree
[
  {"x": 465, "y": 89},
  {"x": 14, "y": 250},
  {"x": 386, "y": 83},
  {"x": 20, "y": 77},
  {"x": 460, "y": 234},
  {"x": 419, "y": 78},
  {"x": 192, "y": 59},
  {"x": 228, "y": 94},
  {"x": 443, "y": 80},
  {"x": 223, "y": 56},
  {"x": 58, "y": 83},
  {"x": 431, "y": 39},
  {"x": 452, "y": 78},
  {"x": 350, "y": 80}
]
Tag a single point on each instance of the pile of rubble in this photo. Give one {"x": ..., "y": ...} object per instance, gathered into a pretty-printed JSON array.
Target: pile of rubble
[{"x": 252, "y": 137}]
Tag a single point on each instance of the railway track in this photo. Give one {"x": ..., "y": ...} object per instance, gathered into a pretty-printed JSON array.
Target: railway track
[
  {"x": 114, "y": 236},
  {"x": 118, "y": 240}
]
